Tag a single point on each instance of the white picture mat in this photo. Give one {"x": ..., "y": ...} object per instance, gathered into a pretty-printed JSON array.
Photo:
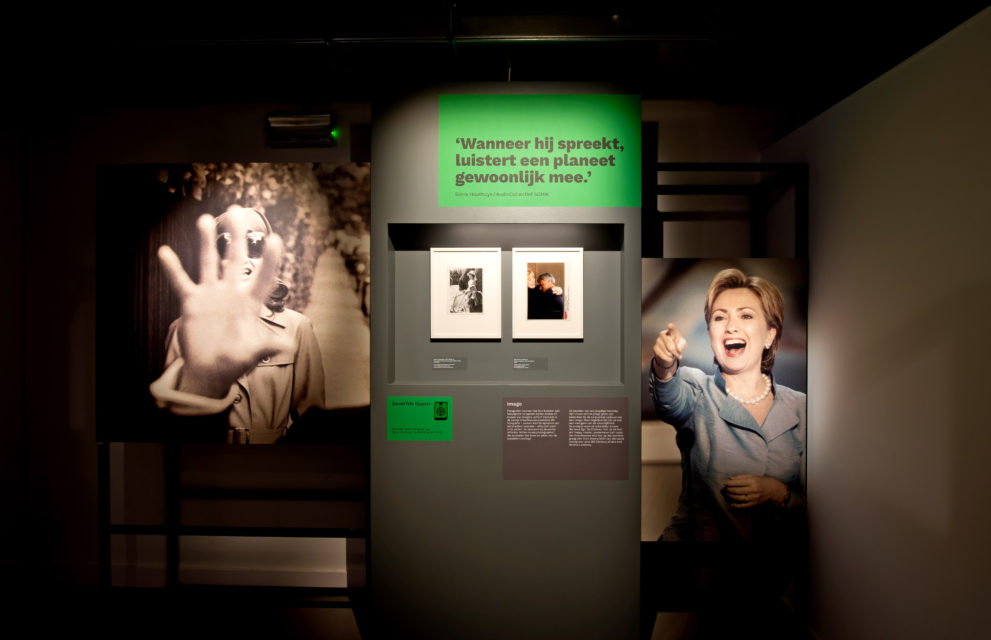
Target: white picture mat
[
  {"x": 487, "y": 323},
  {"x": 569, "y": 328}
]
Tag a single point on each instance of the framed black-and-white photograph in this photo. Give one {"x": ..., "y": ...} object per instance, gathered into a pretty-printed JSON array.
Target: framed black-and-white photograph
[
  {"x": 547, "y": 293},
  {"x": 465, "y": 293}
]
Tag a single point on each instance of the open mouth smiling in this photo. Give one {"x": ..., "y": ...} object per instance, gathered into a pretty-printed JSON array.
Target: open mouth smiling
[{"x": 734, "y": 346}]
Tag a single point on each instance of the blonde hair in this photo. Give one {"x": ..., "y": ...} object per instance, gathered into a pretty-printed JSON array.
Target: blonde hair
[{"x": 771, "y": 302}]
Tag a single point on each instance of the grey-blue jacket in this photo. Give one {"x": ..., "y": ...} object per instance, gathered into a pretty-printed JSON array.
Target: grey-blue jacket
[{"x": 718, "y": 439}]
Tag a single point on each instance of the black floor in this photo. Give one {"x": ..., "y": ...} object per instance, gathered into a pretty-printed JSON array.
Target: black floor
[
  {"x": 707, "y": 591},
  {"x": 245, "y": 613},
  {"x": 192, "y": 612}
]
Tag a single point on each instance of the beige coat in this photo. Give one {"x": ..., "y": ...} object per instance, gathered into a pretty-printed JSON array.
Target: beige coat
[{"x": 277, "y": 391}]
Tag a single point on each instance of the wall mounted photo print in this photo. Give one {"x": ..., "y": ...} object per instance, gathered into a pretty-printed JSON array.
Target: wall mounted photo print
[
  {"x": 236, "y": 299},
  {"x": 547, "y": 293},
  {"x": 723, "y": 360},
  {"x": 465, "y": 293}
]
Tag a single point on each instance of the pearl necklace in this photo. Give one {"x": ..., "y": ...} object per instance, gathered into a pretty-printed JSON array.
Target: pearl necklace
[{"x": 767, "y": 390}]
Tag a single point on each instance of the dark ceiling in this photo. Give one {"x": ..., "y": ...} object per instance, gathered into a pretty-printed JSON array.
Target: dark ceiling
[{"x": 796, "y": 58}]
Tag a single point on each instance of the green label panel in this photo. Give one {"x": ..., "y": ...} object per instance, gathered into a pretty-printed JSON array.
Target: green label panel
[
  {"x": 539, "y": 150},
  {"x": 420, "y": 418}
]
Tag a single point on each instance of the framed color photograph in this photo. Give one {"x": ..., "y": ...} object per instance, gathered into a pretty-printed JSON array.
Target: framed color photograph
[
  {"x": 547, "y": 293},
  {"x": 465, "y": 293}
]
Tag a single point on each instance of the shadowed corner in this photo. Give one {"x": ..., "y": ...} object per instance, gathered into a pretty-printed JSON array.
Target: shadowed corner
[{"x": 348, "y": 425}]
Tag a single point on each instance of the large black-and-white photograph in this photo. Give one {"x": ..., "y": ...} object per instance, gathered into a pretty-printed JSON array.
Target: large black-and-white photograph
[
  {"x": 237, "y": 301},
  {"x": 465, "y": 293}
]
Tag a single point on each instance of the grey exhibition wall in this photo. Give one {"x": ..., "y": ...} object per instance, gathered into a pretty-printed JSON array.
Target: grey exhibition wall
[{"x": 455, "y": 550}]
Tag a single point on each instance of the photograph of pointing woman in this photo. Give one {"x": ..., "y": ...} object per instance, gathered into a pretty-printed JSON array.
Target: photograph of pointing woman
[
  {"x": 726, "y": 383},
  {"x": 747, "y": 433}
]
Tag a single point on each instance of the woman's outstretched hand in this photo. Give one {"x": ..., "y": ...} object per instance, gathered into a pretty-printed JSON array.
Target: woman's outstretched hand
[
  {"x": 669, "y": 348},
  {"x": 747, "y": 491},
  {"x": 221, "y": 337}
]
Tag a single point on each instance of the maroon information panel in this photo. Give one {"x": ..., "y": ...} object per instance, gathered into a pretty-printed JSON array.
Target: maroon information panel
[{"x": 565, "y": 439}]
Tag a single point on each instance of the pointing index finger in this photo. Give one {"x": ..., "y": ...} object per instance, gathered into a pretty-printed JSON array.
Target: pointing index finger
[{"x": 678, "y": 342}]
